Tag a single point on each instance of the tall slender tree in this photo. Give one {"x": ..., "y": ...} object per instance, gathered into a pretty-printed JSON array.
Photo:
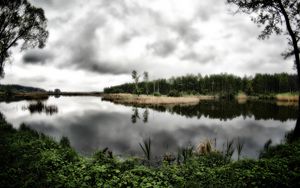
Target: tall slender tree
[
  {"x": 135, "y": 76},
  {"x": 146, "y": 80}
]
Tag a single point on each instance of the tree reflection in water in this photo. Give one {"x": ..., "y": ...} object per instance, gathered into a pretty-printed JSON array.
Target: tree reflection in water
[
  {"x": 228, "y": 110},
  {"x": 145, "y": 115},
  {"x": 135, "y": 115},
  {"x": 40, "y": 107}
]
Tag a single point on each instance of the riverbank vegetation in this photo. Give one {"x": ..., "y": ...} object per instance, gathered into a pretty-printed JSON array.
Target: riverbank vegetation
[
  {"x": 224, "y": 85},
  {"x": 31, "y": 159},
  {"x": 153, "y": 100},
  {"x": 18, "y": 92}
]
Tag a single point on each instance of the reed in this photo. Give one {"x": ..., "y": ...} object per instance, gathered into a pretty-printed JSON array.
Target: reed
[
  {"x": 186, "y": 153},
  {"x": 229, "y": 150},
  {"x": 239, "y": 147},
  {"x": 206, "y": 147},
  {"x": 146, "y": 147}
]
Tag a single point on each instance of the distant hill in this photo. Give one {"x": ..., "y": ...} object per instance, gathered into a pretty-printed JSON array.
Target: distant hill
[{"x": 20, "y": 89}]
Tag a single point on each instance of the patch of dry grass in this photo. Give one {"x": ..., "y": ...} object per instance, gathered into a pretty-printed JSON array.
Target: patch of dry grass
[
  {"x": 241, "y": 98},
  {"x": 150, "y": 100},
  {"x": 287, "y": 97}
]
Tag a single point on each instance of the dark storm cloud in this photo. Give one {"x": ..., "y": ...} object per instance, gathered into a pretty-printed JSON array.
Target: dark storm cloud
[
  {"x": 163, "y": 48},
  {"x": 183, "y": 28},
  {"x": 84, "y": 50},
  {"x": 186, "y": 32},
  {"x": 199, "y": 58},
  {"x": 103, "y": 36},
  {"x": 128, "y": 36},
  {"x": 107, "y": 67},
  {"x": 37, "y": 57},
  {"x": 38, "y": 80},
  {"x": 208, "y": 9}
]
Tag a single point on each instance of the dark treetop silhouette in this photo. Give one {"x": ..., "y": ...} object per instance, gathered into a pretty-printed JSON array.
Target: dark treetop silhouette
[
  {"x": 274, "y": 14},
  {"x": 19, "y": 20}
]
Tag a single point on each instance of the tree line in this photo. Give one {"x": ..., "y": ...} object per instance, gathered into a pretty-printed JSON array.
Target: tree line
[{"x": 210, "y": 84}]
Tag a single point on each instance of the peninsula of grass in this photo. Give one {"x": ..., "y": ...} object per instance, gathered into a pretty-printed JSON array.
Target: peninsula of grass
[
  {"x": 288, "y": 97},
  {"x": 31, "y": 159},
  {"x": 126, "y": 98}
]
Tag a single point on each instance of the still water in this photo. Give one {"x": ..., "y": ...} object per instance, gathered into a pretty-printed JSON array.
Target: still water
[{"x": 92, "y": 124}]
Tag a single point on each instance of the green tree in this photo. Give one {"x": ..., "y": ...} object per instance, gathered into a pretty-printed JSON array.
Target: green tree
[
  {"x": 273, "y": 14},
  {"x": 20, "y": 21}
]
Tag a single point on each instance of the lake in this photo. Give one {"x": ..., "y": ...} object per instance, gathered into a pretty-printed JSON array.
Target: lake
[{"x": 92, "y": 124}]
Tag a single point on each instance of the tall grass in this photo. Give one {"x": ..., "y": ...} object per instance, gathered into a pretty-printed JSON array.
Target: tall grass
[
  {"x": 186, "y": 153},
  {"x": 146, "y": 147},
  {"x": 206, "y": 147},
  {"x": 229, "y": 150},
  {"x": 239, "y": 147}
]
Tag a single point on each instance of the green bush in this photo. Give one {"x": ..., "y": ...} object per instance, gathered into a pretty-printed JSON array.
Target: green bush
[{"x": 156, "y": 94}]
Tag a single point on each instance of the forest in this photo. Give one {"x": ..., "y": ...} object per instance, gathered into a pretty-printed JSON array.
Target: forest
[{"x": 212, "y": 84}]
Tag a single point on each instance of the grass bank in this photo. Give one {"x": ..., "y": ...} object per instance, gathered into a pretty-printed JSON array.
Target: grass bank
[
  {"x": 153, "y": 100},
  {"x": 31, "y": 159},
  {"x": 287, "y": 97},
  {"x": 23, "y": 96},
  {"x": 283, "y": 99}
]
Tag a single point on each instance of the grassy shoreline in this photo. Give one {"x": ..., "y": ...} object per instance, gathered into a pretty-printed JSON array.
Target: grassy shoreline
[
  {"x": 283, "y": 99},
  {"x": 126, "y": 98},
  {"x": 287, "y": 99}
]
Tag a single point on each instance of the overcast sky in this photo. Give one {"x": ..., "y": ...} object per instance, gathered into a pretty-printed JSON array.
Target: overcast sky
[{"x": 97, "y": 43}]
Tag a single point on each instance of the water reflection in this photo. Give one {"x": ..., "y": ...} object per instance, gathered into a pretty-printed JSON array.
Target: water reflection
[
  {"x": 145, "y": 115},
  {"x": 92, "y": 124},
  {"x": 136, "y": 116},
  {"x": 228, "y": 110},
  {"x": 40, "y": 107}
]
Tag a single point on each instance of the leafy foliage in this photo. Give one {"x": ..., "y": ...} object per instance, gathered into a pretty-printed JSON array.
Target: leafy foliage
[
  {"x": 19, "y": 20},
  {"x": 223, "y": 84}
]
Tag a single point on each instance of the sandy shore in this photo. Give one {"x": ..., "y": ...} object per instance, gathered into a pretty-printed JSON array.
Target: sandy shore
[{"x": 153, "y": 100}]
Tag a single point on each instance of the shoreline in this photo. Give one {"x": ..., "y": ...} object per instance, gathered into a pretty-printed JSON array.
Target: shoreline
[
  {"x": 43, "y": 95},
  {"x": 126, "y": 98},
  {"x": 283, "y": 99},
  {"x": 131, "y": 99}
]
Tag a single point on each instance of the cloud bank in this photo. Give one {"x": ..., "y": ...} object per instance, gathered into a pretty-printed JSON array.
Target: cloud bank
[{"x": 107, "y": 39}]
